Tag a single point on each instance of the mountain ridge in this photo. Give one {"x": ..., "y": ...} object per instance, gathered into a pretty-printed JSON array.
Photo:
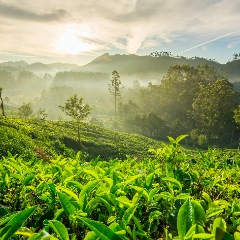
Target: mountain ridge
[{"x": 139, "y": 67}]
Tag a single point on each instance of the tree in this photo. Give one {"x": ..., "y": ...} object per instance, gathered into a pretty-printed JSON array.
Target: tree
[
  {"x": 2, "y": 106},
  {"x": 41, "y": 114},
  {"x": 213, "y": 110},
  {"x": 25, "y": 110},
  {"x": 77, "y": 110},
  {"x": 180, "y": 86},
  {"x": 115, "y": 89},
  {"x": 237, "y": 115}
]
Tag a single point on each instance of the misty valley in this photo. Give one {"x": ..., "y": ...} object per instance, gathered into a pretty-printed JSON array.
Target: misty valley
[{"x": 159, "y": 95}]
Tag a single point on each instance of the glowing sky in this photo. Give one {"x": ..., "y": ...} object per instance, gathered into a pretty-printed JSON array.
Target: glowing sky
[{"x": 78, "y": 31}]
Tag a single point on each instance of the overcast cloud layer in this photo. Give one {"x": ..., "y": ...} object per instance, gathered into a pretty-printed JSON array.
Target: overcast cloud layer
[{"x": 78, "y": 30}]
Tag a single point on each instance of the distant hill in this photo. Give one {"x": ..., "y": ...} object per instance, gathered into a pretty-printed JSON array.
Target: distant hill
[
  {"x": 147, "y": 67},
  {"x": 131, "y": 67},
  {"x": 38, "y": 67},
  {"x": 17, "y": 64},
  {"x": 131, "y": 64}
]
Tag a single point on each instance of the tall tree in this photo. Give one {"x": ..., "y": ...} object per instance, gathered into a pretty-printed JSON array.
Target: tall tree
[
  {"x": 77, "y": 110},
  {"x": 115, "y": 89},
  {"x": 2, "y": 106},
  {"x": 213, "y": 110}
]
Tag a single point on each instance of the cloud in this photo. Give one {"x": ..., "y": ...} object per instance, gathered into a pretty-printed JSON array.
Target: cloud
[
  {"x": 127, "y": 25},
  {"x": 20, "y": 13}
]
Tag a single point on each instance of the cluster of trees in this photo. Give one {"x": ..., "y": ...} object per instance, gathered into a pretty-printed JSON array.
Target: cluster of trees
[
  {"x": 236, "y": 56},
  {"x": 199, "y": 101},
  {"x": 161, "y": 54}
]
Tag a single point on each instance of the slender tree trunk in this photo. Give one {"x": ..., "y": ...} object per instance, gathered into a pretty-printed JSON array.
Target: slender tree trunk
[
  {"x": 79, "y": 138},
  {"x": 115, "y": 95},
  {"x": 2, "y": 106}
]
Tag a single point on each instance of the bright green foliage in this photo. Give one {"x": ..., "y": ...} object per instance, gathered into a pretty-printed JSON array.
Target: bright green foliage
[{"x": 177, "y": 193}]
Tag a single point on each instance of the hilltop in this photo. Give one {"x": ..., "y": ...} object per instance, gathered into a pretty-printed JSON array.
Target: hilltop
[
  {"x": 47, "y": 139},
  {"x": 147, "y": 67}
]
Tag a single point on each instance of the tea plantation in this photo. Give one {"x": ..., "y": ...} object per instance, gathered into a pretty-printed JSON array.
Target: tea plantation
[{"x": 49, "y": 191}]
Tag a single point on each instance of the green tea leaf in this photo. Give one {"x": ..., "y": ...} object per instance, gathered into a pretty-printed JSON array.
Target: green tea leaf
[
  {"x": 152, "y": 194},
  {"x": 15, "y": 223},
  {"x": 222, "y": 235},
  {"x": 67, "y": 206},
  {"x": 149, "y": 180},
  {"x": 28, "y": 179},
  {"x": 237, "y": 235},
  {"x": 101, "y": 230},
  {"x": 203, "y": 236},
  {"x": 91, "y": 205},
  {"x": 133, "y": 178},
  {"x": 128, "y": 215},
  {"x": 115, "y": 227},
  {"x": 40, "y": 236},
  {"x": 91, "y": 235},
  {"x": 59, "y": 229},
  {"x": 69, "y": 193},
  {"x": 166, "y": 195},
  {"x": 75, "y": 184},
  {"x": 213, "y": 212},
  {"x": 180, "y": 138},
  {"x": 195, "y": 229},
  {"x": 3, "y": 211},
  {"x": 219, "y": 223},
  {"x": 173, "y": 181},
  {"x": 91, "y": 173},
  {"x": 189, "y": 214},
  {"x": 89, "y": 187}
]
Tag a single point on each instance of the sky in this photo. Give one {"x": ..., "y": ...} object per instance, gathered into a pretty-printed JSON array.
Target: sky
[{"x": 77, "y": 31}]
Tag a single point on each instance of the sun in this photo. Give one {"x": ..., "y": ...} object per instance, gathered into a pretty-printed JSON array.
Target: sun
[{"x": 69, "y": 43}]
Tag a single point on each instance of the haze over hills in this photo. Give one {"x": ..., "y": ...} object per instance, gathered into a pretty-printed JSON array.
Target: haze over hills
[
  {"x": 130, "y": 67},
  {"x": 168, "y": 100},
  {"x": 37, "y": 67}
]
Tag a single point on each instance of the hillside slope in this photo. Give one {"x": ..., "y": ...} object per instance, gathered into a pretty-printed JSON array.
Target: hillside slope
[{"x": 46, "y": 139}]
